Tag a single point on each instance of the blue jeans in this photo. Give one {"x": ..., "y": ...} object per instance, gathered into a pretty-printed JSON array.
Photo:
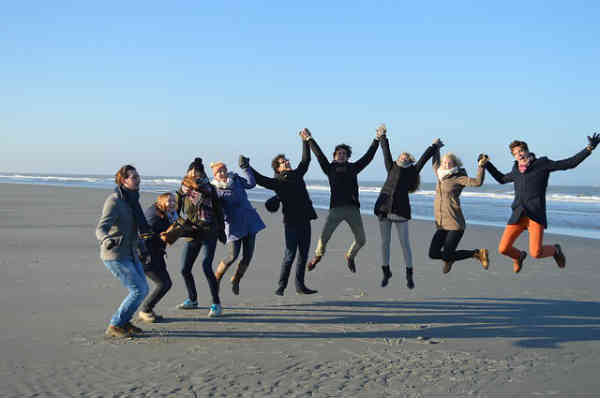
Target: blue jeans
[
  {"x": 190, "y": 252},
  {"x": 131, "y": 275}
]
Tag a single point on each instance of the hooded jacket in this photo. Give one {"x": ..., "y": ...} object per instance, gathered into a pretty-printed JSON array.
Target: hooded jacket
[{"x": 446, "y": 205}]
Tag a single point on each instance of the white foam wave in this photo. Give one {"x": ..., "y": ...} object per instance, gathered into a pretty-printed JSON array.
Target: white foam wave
[{"x": 52, "y": 178}]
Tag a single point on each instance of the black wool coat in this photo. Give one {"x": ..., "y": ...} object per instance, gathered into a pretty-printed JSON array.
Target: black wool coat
[
  {"x": 393, "y": 197},
  {"x": 290, "y": 187}
]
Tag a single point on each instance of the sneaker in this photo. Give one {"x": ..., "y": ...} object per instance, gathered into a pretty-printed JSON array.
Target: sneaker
[
  {"x": 117, "y": 331},
  {"x": 518, "y": 264},
  {"x": 351, "y": 264},
  {"x": 279, "y": 291},
  {"x": 559, "y": 257},
  {"x": 188, "y": 305},
  {"x": 313, "y": 263},
  {"x": 483, "y": 256},
  {"x": 447, "y": 267},
  {"x": 305, "y": 290},
  {"x": 133, "y": 329},
  {"x": 148, "y": 317},
  {"x": 387, "y": 274},
  {"x": 409, "y": 278},
  {"x": 215, "y": 310}
]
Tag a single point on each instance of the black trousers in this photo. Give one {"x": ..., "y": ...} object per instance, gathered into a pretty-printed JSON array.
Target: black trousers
[
  {"x": 157, "y": 272},
  {"x": 444, "y": 243},
  {"x": 297, "y": 239}
]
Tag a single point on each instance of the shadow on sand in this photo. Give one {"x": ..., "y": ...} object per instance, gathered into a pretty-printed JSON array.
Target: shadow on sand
[{"x": 533, "y": 323}]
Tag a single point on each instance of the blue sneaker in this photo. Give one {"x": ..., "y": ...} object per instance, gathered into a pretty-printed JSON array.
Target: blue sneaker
[
  {"x": 215, "y": 310},
  {"x": 188, "y": 305}
]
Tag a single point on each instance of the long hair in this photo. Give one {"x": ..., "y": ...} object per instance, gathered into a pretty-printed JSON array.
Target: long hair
[{"x": 455, "y": 159}]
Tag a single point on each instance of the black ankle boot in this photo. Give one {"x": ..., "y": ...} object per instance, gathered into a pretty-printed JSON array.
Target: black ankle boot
[
  {"x": 409, "y": 278},
  {"x": 387, "y": 274}
]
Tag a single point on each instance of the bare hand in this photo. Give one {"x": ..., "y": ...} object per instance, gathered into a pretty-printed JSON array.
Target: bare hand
[
  {"x": 482, "y": 159},
  {"x": 381, "y": 131},
  {"x": 438, "y": 143},
  {"x": 305, "y": 134}
]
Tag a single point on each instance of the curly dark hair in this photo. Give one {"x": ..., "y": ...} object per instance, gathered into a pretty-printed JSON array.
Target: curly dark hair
[
  {"x": 275, "y": 162},
  {"x": 345, "y": 147}
]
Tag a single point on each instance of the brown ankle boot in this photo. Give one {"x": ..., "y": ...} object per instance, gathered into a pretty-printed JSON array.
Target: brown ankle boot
[{"x": 483, "y": 257}]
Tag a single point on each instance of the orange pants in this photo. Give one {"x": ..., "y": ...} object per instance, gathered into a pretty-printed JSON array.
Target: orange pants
[{"x": 536, "y": 237}]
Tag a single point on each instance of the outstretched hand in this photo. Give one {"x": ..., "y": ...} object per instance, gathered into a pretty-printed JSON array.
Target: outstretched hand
[
  {"x": 438, "y": 143},
  {"x": 305, "y": 134},
  {"x": 244, "y": 162},
  {"x": 380, "y": 132},
  {"x": 482, "y": 159},
  {"x": 593, "y": 141}
]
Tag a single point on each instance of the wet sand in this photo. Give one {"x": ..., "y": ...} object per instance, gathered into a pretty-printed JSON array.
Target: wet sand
[{"x": 470, "y": 332}]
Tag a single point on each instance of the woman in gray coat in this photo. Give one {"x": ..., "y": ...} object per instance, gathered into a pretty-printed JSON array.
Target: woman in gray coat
[{"x": 117, "y": 232}]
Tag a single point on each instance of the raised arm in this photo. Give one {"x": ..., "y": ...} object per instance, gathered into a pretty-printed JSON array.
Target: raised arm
[
  {"x": 305, "y": 162},
  {"x": 570, "y": 163},
  {"x": 266, "y": 182},
  {"x": 249, "y": 182},
  {"x": 497, "y": 175},
  {"x": 387, "y": 155},
  {"x": 473, "y": 182},
  {"x": 367, "y": 157},
  {"x": 323, "y": 162},
  {"x": 425, "y": 157},
  {"x": 435, "y": 160}
]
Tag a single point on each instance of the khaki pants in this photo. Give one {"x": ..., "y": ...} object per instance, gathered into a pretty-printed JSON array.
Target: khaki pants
[{"x": 351, "y": 215}]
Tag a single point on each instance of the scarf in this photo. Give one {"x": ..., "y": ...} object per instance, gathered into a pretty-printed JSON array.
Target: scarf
[
  {"x": 444, "y": 173},
  {"x": 223, "y": 184},
  {"x": 202, "y": 200},
  {"x": 523, "y": 168},
  {"x": 132, "y": 198},
  {"x": 404, "y": 165}
]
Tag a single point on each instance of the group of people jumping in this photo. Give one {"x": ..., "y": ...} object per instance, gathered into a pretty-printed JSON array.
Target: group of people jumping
[{"x": 202, "y": 211}]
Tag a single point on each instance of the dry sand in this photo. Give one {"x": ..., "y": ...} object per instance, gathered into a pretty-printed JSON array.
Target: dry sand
[{"x": 469, "y": 333}]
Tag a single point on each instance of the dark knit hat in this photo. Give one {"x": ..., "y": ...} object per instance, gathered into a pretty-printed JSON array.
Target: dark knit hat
[
  {"x": 196, "y": 165},
  {"x": 272, "y": 204}
]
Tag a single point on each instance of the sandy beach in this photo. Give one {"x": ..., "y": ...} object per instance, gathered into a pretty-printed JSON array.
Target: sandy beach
[{"x": 468, "y": 333}]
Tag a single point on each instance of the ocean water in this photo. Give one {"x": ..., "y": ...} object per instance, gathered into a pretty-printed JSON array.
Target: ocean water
[{"x": 572, "y": 210}]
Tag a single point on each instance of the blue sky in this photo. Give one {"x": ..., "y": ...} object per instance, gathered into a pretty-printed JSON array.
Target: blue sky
[{"x": 89, "y": 86}]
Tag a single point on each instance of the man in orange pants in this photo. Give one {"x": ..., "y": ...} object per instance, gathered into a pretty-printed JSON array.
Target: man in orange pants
[{"x": 530, "y": 176}]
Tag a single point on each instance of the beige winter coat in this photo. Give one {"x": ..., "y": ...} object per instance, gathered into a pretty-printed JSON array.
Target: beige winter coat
[{"x": 446, "y": 206}]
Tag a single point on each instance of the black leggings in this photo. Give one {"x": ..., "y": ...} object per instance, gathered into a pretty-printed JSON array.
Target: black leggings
[
  {"x": 443, "y": 246},
  {"x": 157, "y": 273}
]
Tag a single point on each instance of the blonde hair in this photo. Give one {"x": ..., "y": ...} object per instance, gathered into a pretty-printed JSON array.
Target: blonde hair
[
  {"x": 408, "y": 155},
  {"x": 162, "y": 202},
  {"x": 453, "y": 157}
]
